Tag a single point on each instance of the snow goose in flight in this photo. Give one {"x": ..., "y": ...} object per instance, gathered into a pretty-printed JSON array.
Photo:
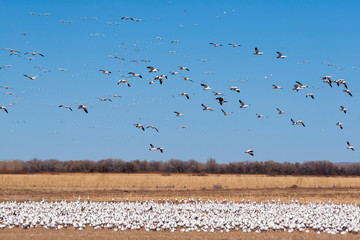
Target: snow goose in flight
[
  {"x": 127, "y": 18},
  {"x": 34, "y": 53},
  {"x": 174, "y": 73},
  {"x": 280, "y": 111},
  {"x": 6, "y": 87},
  {"x": 31, "y": 78},
  {"x": 206, "y": 108},
  {"x": 297, "y": 122},
  {"x": 225, "y": 113},
  {"x": 347, "y": 91},
  {"x": 217, "y": 93},
  {"x": 259, "y": 115},
  {"x": 123, "y": 81},
  {"x": 310, "y": 95},
  {"x": 152, "y": 69},
  {"x": 340, "y": 125},
  {"x": 152, "y": 128},
  {"x": 135, "y": 74},
  {"x": 221, "y": 100},
  {"x": 280, "y": 55},
  {"x": 117, "y": 96},
  {"x": 236, "y": 89},
  {"x": 342, "y": 108},
  {"x": 4, "y": 108},
  {"x": 174, "y": 41},
  {"x": 257, "y": 52},
  {"x": 326, "y": 78},
  {"x": 105, "y": 72},
  {"x": 138, "y": 125},
  {"x": 185, "y": 94},
  {"x": 152, "y": 148},
  {"x": 84, "y": 108},
  {"x": 151, "y": 82},
  {"x": 234, "y": 45},
  {"x": 349, "y": 146},
  {"x": 328, "y": 81},
  {"x": 160, "y": 78},
  {"x": 104, "y": 99},
  {"x": 206, "y": 87},
  {"x": 276, "y": 87},
  {"x": 66, "y": 107},
  {"x": 243, "y": 105},
  {"x": 184, "y": 68},
  {"x": 249, "y": 151},
  {"x": 187, "y": 79},
  {"x": 343, "y": 82},
  {"x": 216, "y": 45},
  {"x": 179, "y": 114},
  {"x": 11, "y": 50}
]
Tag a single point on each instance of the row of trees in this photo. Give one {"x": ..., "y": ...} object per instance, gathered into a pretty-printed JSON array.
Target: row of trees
[{"x": 323, "y": 168}]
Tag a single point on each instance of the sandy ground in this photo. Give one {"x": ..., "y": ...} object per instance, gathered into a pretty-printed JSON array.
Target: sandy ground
[{"x": 88, "y": 233}]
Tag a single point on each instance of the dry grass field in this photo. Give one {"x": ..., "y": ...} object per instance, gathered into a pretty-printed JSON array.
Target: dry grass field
[{"x": 139, "y": 187}]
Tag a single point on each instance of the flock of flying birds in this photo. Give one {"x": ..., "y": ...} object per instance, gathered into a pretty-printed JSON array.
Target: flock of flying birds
[{"x": 298, "y": 86}]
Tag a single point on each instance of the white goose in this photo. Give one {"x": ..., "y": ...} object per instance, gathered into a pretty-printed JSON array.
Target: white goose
[
  {"x": 4, "y": 108},
  {"x": 216, "y": 45},
  {"x": 152, "y": 69},
  {"x": 276, "y": 87},
  {"x": 349, "y": 146},
  {"x": 178, "y": 114},
  {"x": 280, "y": 55},
  {"x": 250, "y": 152},
  {"x": 340, "y": 125},
  {"x": 206, "y": 87},
  {"x": 184, "y": 68},
  {"x": 310, "y": 95},
  {"x": 66, "y": 107},
  {"x": 236, "y": 89},
  {"x": 280, "y": 111},
  {"x": 206, "y": 108},
  {"x": 342, "y": 108},
  {"x": 123, "y": 81},
  {"x": 84, "y": 108},
  {"x": 257, "y": 52},
  {"x": 31, "y": 78},
  {"x": 243, "y": 105},
  {"x": 135, "y": 74},
  {"x": 185, "y": 94},
  {"x": 225, "y": 113},
  {"x": 347, "y": 91}
]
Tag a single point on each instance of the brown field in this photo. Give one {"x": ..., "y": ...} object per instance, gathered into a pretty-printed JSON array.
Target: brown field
[{"x": 141, "y": 187}]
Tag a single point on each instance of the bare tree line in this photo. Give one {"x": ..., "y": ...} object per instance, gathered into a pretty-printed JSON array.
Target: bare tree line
[{"x": 111, "y": 165}]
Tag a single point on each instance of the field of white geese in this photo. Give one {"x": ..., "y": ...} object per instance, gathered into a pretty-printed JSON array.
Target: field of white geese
[{"x": 184, "y": 215}]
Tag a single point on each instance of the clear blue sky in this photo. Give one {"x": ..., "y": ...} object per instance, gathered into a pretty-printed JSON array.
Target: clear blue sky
[{"x": 315, "y": 31}]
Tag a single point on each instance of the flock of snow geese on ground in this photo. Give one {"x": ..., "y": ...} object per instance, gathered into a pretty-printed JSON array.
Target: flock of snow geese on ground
[{"x": 184, "y": 215}]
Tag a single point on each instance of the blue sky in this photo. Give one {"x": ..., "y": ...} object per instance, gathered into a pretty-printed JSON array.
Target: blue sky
[{"x": 315, "y": 31}]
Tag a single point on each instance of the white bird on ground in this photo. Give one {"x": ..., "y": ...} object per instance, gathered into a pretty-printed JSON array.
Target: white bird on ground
[
  {"x": 249, "y": 151},
  {"x": 206, "y": 108},
  {"x": 152, "y": 69},
  {"x": 4, "y": 108},
  {"x": 243, "y": 105},
  {"x": 257, "y": 52},
  {"x": 236, "y": 89},
  {"x": 84, "y": 108},
  {"x": 340, "y": 125},
  {"x": 349, "y": 146},
  {"x": 135, "y": 74},
  {"x": 31, "y": 78},
  {"x": 123, "y": 81},
  {"x": 310, "y": 95},
  {"x": 66, "y": 107},
  {"x": 179, "y": 114},
  {"x": 342, "y": 108},
  {"x": 185, "y": 94},
  {"x": 206, "y": 87},
  {"x": 280, "y": 55},
  {"x": 184, "y": 68}
]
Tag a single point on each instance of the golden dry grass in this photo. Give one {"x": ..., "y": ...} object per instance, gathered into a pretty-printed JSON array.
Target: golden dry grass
[
  {"x": 141, "y": 187},
  {"x": 179, "y": 181}
]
